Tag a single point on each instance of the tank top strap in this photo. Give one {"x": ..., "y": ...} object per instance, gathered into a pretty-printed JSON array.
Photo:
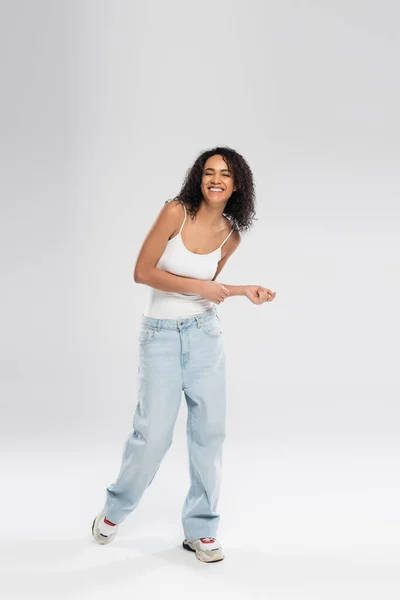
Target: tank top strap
[
  {"x": 184, "y": 208},
  {"x": 226, "y": 238}
]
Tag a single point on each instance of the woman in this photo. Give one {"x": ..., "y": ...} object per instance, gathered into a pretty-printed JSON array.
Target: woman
[{"x": 181, "y": 346}]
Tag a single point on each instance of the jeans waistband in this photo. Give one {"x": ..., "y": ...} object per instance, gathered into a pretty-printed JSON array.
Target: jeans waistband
[{"x": 178, "y": 323}]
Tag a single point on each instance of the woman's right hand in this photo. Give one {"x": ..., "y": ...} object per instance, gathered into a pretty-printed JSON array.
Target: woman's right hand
[{"x": 214, "y": 291}]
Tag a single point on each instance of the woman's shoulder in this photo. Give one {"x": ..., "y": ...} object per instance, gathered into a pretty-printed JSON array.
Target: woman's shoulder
[
  {"x": 171, "y": 206},
  {"x": 173, "y": 201},
  {"x": 229, "y": 226}
]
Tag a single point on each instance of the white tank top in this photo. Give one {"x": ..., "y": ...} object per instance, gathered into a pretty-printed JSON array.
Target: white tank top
[{"x": 177, "y": 259}]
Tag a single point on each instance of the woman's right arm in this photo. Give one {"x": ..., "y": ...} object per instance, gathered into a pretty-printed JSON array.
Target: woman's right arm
[{"x": 152, "y": 249}]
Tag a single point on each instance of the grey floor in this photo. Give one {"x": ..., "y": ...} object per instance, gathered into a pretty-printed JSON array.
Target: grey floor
[{"x": 301, "y": 518}]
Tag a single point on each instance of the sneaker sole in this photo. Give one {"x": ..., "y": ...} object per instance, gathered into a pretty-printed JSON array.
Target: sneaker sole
[{"x": 201, "y": 556}]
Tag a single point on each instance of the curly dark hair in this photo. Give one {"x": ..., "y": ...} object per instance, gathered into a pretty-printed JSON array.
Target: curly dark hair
[{"x": 240, "y": 206}]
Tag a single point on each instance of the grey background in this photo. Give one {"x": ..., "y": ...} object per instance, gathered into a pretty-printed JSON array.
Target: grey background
[{"x": 104, "y": 105}]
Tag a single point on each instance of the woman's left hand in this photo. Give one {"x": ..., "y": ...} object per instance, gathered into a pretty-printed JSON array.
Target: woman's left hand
[{"x": 258, "y": 294}]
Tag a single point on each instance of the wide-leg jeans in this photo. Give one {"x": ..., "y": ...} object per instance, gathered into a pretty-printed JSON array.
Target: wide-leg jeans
[{"x": 174, "y": 356}]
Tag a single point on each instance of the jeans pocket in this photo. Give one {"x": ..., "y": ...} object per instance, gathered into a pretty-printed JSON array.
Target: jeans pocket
[
  {"x": 212, "y": 327},
  {"x": 146, "y": 335}
]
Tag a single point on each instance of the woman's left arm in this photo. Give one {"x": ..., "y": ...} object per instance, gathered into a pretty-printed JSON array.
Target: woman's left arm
[{"x": 256, "y": 293}]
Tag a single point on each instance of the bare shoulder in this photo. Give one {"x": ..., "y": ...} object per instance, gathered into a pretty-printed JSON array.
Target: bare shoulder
[
  {"x": 231, "y": 244},
  {"x": 174, "y": 202},
  {"x": 228, "y": 225},
  {"x": 168, "y": 216},
  {"x": 172, "y": 207},
  {"x": 172, "y": 213},
  {"x": 235, "y": 238},
  {"x": 162, "y": 229}
]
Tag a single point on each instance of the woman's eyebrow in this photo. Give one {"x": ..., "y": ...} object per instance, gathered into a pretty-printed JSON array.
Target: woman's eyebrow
[{"x": 211, "y": 169}]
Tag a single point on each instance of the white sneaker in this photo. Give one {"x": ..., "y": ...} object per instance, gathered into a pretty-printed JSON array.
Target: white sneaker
[
  {"x": 207, "y": 549},
  {"x": 102, "y": 532}
]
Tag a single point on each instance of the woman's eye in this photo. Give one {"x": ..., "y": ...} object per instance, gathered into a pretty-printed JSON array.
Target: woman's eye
[{"x": 210, "y": 174}]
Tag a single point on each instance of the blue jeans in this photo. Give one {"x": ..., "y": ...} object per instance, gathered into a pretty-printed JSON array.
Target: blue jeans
[{"x": 175, "y": 355}]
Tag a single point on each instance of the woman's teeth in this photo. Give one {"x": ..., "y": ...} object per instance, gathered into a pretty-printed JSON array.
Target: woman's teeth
[{"x": 215, "y": 189}]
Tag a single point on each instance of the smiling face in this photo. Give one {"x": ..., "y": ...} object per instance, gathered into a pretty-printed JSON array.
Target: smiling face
[{"x": 217, "y": 183}]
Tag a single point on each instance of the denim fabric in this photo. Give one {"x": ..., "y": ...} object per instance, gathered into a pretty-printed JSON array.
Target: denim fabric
[{"x": 177, "y": 355}]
